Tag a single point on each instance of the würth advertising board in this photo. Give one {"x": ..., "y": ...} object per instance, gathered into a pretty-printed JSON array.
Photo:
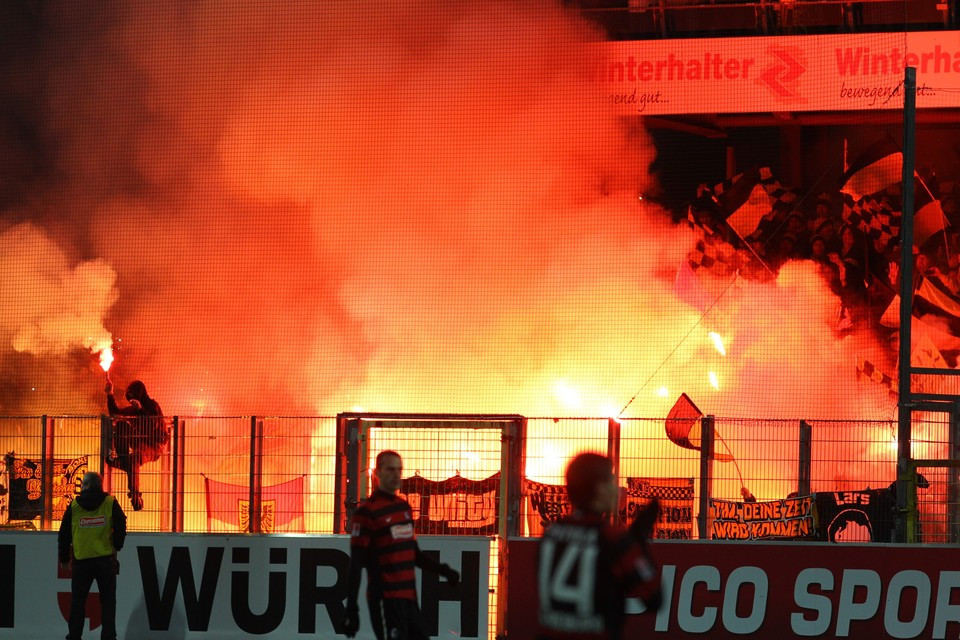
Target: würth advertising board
[
  {"x": 211, "y": 586},
  {"x": 779, "y": 590}
]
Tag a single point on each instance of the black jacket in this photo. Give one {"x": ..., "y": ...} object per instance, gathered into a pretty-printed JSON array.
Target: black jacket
[{"x": 148, "y": 407}]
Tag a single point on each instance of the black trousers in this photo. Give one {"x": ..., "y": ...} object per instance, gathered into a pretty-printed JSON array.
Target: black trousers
[
  {"x": 397, "y": 619},
  {"x": 104, "y": 571}
]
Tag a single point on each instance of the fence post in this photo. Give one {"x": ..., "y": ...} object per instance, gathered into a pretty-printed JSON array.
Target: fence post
[
  {"x": 953, "y": 477},
  {"x": 513, "y": 463},
  {"x": 805, "y": 457},
  {"x": 106, "y": 447},
  {"x": 704, "y": 521},
  {"x": 904, "y": 394},
  {"x": 347, "y": 479},
  {"x": 613, "y": 452},
  {"x": 909, "y": 514},
  {"x": 613, "y": 446},
  {"x": 254, "y": 507},
  {"x": 46, "y": 472},
  {"x": 339, "y": 477},
  {"x": 176, "y": 505}
]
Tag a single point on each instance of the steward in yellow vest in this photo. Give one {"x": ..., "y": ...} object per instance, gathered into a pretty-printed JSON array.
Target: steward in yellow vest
[{"x": 95, "y": 527}]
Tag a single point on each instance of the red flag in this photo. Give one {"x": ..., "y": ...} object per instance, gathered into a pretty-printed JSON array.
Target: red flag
[
  {"x": 683, "y": 427},
  {"x": 280, "y": 504},
  {"x": 286, "y": 501}
]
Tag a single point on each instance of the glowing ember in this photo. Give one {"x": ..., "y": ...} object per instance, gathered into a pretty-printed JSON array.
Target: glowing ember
[
  {"x": 106, "y": 359},
  {"x": 713, "y": 380},
  {"x": 610, "y": 411},
  {"x": 717, "y": 342},
  {"x": 566, "y": 394}
]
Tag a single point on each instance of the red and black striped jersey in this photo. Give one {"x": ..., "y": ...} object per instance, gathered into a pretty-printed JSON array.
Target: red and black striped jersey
[
  {"x": 383, "y": 524},
  {"x": 585, "y": 571}
]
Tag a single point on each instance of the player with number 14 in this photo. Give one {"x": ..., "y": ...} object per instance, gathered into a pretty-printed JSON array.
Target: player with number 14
[{"x": 586, "y": 568}]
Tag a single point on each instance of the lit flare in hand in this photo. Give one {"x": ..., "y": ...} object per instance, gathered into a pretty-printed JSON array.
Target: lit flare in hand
[{"x": 106, "y": 359}]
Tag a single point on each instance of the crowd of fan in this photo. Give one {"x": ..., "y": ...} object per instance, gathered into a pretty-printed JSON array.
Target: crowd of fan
[{"x": 861, "y": 268}]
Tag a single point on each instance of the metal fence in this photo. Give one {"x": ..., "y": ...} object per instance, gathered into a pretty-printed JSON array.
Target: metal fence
[{"x": 290, "y": 471}]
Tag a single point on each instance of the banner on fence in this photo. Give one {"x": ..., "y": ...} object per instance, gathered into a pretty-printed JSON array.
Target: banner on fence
[
  {"x": 545, "y": 503},
  {"x": 281, "y": 506},
  {"x": 456, "y": 505},
  {"x": 25, "y": 485},
  {"x": 676, "y": 505},
  {"x": 857, "y": 516},
  {"x": 784, "y": 519},
  {"x": 4, "y": 491}
]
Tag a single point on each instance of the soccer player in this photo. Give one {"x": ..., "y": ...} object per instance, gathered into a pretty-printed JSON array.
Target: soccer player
[
  {"x": 586, "y": 567},
  {"x": 382, "y": 540}
]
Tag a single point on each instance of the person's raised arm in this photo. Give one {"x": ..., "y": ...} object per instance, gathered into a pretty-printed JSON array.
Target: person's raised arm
[{"x": 112, "y": 407}]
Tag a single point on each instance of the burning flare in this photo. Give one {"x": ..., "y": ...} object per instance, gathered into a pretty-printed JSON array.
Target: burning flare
[
  {"x": 106, "y": 359},
  {"x": 717, "y": 342}
]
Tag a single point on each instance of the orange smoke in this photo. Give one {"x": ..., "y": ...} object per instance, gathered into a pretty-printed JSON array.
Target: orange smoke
[{"x": 307, "y": 211}]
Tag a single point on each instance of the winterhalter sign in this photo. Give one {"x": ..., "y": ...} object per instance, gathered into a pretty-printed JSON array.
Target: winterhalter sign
[{"x": 786, "y": 73}]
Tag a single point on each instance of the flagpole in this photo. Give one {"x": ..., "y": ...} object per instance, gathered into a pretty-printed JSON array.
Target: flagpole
[
  {"x": 905, "y": 400},
  {"x": 733, "y": 458}
]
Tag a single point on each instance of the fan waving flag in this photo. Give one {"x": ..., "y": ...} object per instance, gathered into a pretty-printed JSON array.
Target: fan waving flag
[
  {"x": 711, "y": 251},
  {"x": 684, "y": 429},
  {"x": 873, "y": 186},
  {"x": 879, "y": 167},
  {"x": 754, "y": 203},
  {"x": 929, "y": 218}
]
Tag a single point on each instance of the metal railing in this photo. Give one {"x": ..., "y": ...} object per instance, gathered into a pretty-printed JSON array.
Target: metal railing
[{"x": 293, "y": 474}]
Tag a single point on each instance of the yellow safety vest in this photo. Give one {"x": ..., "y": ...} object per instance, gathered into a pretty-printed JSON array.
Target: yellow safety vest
[{"x": 92, "y": 530}]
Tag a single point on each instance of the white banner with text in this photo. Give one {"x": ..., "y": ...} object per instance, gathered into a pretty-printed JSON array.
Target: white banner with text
[{"x": 211, "y": 586}]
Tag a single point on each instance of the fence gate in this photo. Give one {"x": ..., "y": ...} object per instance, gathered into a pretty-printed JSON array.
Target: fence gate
[
  {"x": 934, "y": 515},
  {"x": 462, "y": 476}
]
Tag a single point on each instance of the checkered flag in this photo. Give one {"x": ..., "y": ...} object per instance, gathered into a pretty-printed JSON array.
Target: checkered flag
[
  {"x": 711, "y": 251},
  {"x": 755, "y": 204},
  {"x": 872, "y": 194},
  {"x": 872, "y": 215},
  {"x": 868, "y": 369},
  {"x": 784, "y": 202}
]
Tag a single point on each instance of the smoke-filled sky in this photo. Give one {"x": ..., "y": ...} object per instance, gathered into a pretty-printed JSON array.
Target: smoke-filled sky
[{"x": 308, "y": 208}]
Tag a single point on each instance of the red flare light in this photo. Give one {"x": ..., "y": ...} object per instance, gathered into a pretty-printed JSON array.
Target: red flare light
[
  {"x": 106, "y": 359},
  {"x": 718, "y": 342}
]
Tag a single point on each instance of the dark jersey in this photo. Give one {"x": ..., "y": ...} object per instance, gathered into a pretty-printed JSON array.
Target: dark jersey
[
  {"x": 383, "y": 524},
  {"x": 585, "y": 571}
]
